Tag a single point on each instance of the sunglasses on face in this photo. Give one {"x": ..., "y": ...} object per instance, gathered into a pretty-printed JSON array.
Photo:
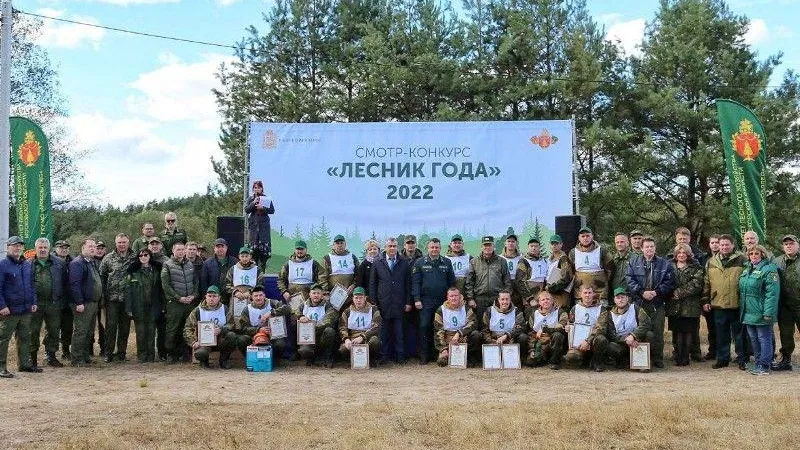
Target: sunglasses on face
[
  {"x": 143, "y": 254},
  {"x": 170, "y": 220}
]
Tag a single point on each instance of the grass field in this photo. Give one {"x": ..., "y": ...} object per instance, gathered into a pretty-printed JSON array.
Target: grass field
[{"x": 128, "y": 405}]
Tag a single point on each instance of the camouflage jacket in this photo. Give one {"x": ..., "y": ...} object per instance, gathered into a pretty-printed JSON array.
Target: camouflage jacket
[
  {"x": 442, "y": 337},
  {"x": 346, "y": 333},
  {"x": 113, "y": 270}
]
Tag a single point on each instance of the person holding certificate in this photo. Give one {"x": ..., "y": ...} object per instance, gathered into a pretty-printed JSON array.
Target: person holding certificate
[
  {"x": 454, "y": 323},
  {"x": 531, "y": 273},
  {"x": 322, "y": 314},
  {"x": 546, "y": 340},
  {"x": 299, "y": 273},
  {"x": 360, "y": 324},
  {"x": 625, "y": 325},
  {"x": 502, "y": 323},
  {"x": 210, "y": 310},
  {"x": 340, "y": 268},
  {"x": 587, "y": 344},
  {"x": 255, "y": 317},
  {"x": 240, "y": 281}
]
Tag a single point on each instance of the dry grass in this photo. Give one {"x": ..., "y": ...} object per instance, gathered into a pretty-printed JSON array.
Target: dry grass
[{"x": 400, "y": 407}]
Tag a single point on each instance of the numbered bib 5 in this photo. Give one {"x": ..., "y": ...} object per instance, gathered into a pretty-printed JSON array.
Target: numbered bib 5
[
  {"x": 502, "y": 322},
  {"x": 540, "y": 320}
]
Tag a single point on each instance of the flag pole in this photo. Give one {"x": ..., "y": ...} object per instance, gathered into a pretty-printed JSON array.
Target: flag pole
[{"x": 5, "y": 113}]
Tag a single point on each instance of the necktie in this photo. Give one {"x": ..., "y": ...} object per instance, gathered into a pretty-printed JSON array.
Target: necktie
[{"x": 391, "y": 263}]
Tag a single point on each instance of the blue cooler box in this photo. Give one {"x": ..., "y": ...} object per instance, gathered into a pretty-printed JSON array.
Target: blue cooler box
[{"x": 259, "y": 358}]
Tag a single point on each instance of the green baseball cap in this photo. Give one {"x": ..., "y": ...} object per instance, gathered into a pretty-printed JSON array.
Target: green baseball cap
[
  {"x": 359, "y": 291},
  {"x": 533, "y": 239},
  {"x": 245, "y": 249},
  {"x": 636, "y": 232},
  {"x": 300, "y": 244},
  {"x": 620, "y": 291},
  {"x": 14, "y": 240},
  {"x": 213, "y": 289},
  {"x": 789, "y": 237},
  {"x": 487, "y": 240},
  {"x": 411, "y": 238},
  {"x": 585, "y": 230},
  {"x": 555, "y": 239},
  {"x": 338, "y": 238},
  {"x": 316, "y": 287},
  {"x": 456, "y": 237}
]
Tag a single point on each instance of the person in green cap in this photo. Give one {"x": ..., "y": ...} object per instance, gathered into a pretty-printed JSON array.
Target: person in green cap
[
  {"x": 113, "y": 270},
  {"x": 299, "y": 273},
  {"x": 255, "y": 317},
  {"x": 560, "y": 274},
  {"x": 360, "y": 324},
  {"x": 531, "y": 274},
  {"x": 512, "y": 257},
  {"x": 460, "y": 259},
  {"x": 625, "y": 326},
  {"x": 211, "y": 310},
  {"x": 488, "y": 275},
  {"x": 592, "y": 264},
  {"x": 340, "y": 268},
  {"x": 240, "y": 281},
  {"x": 324, "y": 316},
  {"x": 789, "y": 305}
]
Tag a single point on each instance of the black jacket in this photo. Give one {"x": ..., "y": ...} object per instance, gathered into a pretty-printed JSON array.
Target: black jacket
[{"x": 391, "y": 289}]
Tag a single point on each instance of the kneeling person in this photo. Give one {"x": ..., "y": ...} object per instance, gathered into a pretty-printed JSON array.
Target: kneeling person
[
  {"x": 212, "y": 310},
  {"x": 255, "y": 317},
  {"x": 317, "y": 310},
  {"x": 454, "y": 323},
  {"x": 593, "y": 348},
  {"x": 502, "y": 322},
  {"x": 625, "y": 325},
  {"x": 547, "y": 338},
  {"x": 360, "y": 324}
]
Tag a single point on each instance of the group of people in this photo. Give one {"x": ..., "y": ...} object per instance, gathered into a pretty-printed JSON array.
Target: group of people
[{"x": 401, "y": 302}]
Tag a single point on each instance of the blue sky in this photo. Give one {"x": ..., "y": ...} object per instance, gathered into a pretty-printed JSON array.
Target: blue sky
[{"x": 144, "y": 106}]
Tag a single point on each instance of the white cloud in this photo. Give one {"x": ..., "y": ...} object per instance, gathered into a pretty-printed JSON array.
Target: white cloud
[
  {"x": 627, "y": 35},
  {"x": 757, "y": 32},
  {"x": 179, "y": 91},
  {"x": 226, "y": 2},
  {"x": 69, "y": 35},
  {"x": 132, "y": 163}
]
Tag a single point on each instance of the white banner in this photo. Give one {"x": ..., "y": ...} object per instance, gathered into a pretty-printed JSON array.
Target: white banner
[{"x": 433, "y": 179}]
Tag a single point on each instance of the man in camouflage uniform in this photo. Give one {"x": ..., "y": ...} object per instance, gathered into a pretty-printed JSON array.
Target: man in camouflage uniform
[
  {"x": 504, "y": 323},
  {"x": 113, "y": 271},
  {"x": 180, "y": 285},
  {"x": 488, "y": 275},
  {"x": 789, "y": 305},
  {"x": 619, "y": 263},
  {"x": 62, "y": 251},
  {"x": 531, "y": 274},
  {"x": 172, "y": 234},
  {"x": 360, "y": 324},
  {"x": 241, "y": 279},
  {"x": 148, "y": 232},
  {"x": 593, "y": 348},
  {"x": 209, "y": 309},
  {"x": 317, "y": 310},
  {"x": 560, "y": 274},
  {"x": 460, "y": 259},
  {"x": 100, "y": 323},
  {"x": 625, "y": 325},
  {"x": 50, "y": 280},
  {"x": 255, "y": 317},
  {"x": 592, "y": 264},
  {"x": 299, "y": 273},
  {"x": 546, "y": 340},
  {"x": 511, "y": 256},
  {"x": 636, "y": 237},
  {"x": 454, "y": 323},
  {"x": 340, "y": 268}
]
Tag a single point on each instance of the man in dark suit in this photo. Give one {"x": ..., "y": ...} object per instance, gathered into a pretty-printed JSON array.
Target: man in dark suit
[{"x": 390, "y": 288}]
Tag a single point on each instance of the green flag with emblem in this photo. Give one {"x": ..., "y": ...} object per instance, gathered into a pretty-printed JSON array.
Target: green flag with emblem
[{"x": 30, "y": 160}]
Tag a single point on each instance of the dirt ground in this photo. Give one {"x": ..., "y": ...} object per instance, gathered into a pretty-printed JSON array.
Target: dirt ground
[{"x": 130, "y": 405}]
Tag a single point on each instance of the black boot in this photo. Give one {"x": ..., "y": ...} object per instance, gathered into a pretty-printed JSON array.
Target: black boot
[
  {"x": 784, "y": 364},
  {"x": 202, "y": 359},
  {"x": 225, "y": 359},
  {"x": 52, "y": 361}
]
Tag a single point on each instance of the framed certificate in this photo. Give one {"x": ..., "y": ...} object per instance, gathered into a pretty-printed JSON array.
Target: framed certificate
[
  {"x": 238, "y": 305},
  {"x": 277, "y": 327},
  {"x": 492, "y": 357},
  {"x": 578, "y": 333},
  {"x": 205, "y": 333},
  {"x": 640, "y": 356},
  {"x": 457, "y": 356},
  {"x": 306, "y": 333},
  {"x": 511, "y": 357},
  {"x": 359, "y": 356},
  {"x": 338, "y": 297},
  {"x": 296, "y": 301}
]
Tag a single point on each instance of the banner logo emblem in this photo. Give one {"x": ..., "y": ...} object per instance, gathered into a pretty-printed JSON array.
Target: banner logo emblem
[
  {"x": 746, "y": 142},
  {"x": 270, "y": 140},
  {"x": 544, "y": 139},
  {"x": 30, "y": 149}
]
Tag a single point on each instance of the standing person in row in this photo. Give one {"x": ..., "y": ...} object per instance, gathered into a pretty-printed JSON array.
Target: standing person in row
[
  {"x": 460, "y": 260},
  {"x": 759, "y": 290},
  {"x": 531, "y": 274},
  {"x": 157, "y": 250},
  {"x": 560, "y": 274},
  {"x": 144, "y": 301},
  {"x": 172, "y": 234},
  {"x": 684, "y": 306},
  {"x": 360, "y": 324},
  {"x": 592, "y": 264},
  {"x": 62, "y": 251},
  {"x": 180, "y": 285},
  {"x": 216, "y": 268},
  {"x": 193, "y": 255},
  {"x": 713, "y": 250},
  {"x": 148, "y": 232},
  {"x": 636, "y": 237},
  {"x": 431, "y": 276},
  {"x": 390, "y": 288},
  {"x": 340, "y": 268},
  {"x": 455, "y": 324},
  {"x": 789, "y": 310},
  {"x": 299, "y": 273},
  {"x": 488, "y": 275},
  {"x": 113, "y": 270},
  {"x": 511, "y": 257},
  {"x": 721, "y": 295},
  {"x": 51, "y": 283},
  {"x": 372, "y": 252},
  {"x": 651, "y": 282},
  {"x": 99, "y": 325},
  {"x": 242, "y": 278},
  {"x": 17, "y": 302},
  {"x": 86, "y": 293},
  {"x": 619, "y": 264},
  {"x": 258, "y": 207},
  {"x": 410, "y": 336}
]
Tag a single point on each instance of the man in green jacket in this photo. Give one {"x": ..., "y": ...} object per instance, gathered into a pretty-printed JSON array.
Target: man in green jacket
[
  {"x": 789, "y": 309},
  {"x": 50, "y": 281},
  {"x": 721, "y": 295},
  {"x": 619, "y": 264},
  {"x": 487, "y": 276},
  {"x": 180, "y": 285}
]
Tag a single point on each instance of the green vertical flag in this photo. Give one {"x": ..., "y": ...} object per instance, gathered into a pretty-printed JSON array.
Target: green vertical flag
[
  {"x": 30, "y": 159},
  {"x": 745, "y": 145}
]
